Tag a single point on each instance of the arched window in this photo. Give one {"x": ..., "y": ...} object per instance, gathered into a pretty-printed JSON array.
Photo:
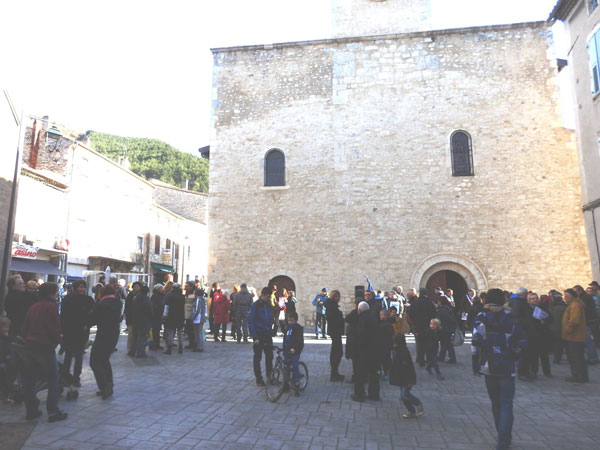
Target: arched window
[
  {"x": 462, "y": 154},
  {"x": 274, "y": 168}
]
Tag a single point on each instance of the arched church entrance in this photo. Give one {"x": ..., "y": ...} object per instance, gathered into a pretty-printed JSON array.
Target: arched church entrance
[
  {"x": 282, "y": 282},
  {"x": 448, "y": 279},
  {"x": 449, "y": 269}
]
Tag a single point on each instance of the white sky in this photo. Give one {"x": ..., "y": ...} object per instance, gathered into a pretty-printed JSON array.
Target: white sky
[{"x": 143, "y": 68}]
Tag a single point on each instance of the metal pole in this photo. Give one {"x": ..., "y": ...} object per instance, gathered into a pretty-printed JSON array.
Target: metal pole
[{"x": 10, "y": 228}]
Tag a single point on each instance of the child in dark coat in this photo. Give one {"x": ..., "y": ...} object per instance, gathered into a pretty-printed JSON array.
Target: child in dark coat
[
  {"x": 432, "y": 338},
  {"x": 293, "y": 343},
  {"x": 403, "y": 375}
]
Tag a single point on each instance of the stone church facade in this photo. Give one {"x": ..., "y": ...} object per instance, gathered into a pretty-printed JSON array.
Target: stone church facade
[{"x": 416, "y": 158}]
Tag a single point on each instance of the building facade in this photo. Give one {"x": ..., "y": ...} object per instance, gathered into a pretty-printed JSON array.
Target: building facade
[
  {"x": 582, "y": 19},
  {"x": 421, "y": 158},
  {"x": 83, "y": 212}
]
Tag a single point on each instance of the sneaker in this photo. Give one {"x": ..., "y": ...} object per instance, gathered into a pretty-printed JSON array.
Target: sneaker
[
  {"x": 57, "y": 416},
  {"x": 420, "y": 410},
  {"x": 260, "y": 383},
  {"x": 440, "y": 377},
  {"x": 409, "y": 415}
]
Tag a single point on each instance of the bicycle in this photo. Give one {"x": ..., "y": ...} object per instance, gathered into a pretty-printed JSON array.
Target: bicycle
[{"x": 280, "y": 377}]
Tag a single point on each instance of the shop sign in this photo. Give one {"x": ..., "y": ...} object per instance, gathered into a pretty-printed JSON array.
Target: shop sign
[
  {"x": 166, "y": 254},
  {"x": 24, "y": 251}
]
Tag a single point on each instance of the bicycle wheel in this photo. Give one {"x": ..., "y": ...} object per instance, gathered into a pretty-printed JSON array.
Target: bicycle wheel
[
  {"x": 303, "y": 375},
  {"x": 274, "y": 386}
]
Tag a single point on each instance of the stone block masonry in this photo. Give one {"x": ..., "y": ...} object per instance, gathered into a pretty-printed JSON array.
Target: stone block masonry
[{"x": 365, "y": 126}]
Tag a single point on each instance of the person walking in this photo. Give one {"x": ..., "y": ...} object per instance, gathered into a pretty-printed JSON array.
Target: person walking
[
  {"x": 106, "y": 315},
  {"x": 42, "y": 333},
  {"x": 335, "y": 329},
  {"x": 260, "y": 324},
  {"x": 241, "y": 305},
  {"x": 403, "y": 375},
  {"x": 174, "y": 317},
  {"x": 574, "y": 333},
  {"x": 74, "y": 314},
  {"x": 498, "y": 340}
]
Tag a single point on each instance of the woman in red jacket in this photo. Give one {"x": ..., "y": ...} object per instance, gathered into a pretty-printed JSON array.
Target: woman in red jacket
[{"x": 221, "y": 307}]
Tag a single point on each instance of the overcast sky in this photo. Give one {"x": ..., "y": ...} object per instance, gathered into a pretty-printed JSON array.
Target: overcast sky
[{"x": 143, "y": 68}]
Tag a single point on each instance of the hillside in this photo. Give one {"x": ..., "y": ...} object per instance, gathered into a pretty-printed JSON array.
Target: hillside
[{"x": 151, "y": 158}]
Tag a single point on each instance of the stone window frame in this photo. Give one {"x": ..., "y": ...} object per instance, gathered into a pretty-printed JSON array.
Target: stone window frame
[
  {"x": 272, "y": 151},
  {"x": 471, "y": 171}
]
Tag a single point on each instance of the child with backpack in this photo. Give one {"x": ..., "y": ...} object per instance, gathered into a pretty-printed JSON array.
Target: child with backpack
[{"x": 403, "y": 375}]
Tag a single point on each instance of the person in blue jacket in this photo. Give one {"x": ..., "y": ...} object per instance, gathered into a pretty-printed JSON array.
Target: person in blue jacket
[
  {"x": 260, "y": 323},
  {"x": 321, "y": 321}
]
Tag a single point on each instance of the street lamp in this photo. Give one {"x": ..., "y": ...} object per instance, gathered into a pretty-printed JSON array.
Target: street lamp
[{"x": 53, "y": 134}]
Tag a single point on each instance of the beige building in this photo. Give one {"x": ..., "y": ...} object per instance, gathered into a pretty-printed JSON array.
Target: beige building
[
  {"x": 418, "y": 158},
  {"x": 95, "y": 213},
  {"x": 582, "y": 20}
]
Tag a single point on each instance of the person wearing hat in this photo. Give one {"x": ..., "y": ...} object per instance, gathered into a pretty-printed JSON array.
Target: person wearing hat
[{"x": 321, "y": 320}]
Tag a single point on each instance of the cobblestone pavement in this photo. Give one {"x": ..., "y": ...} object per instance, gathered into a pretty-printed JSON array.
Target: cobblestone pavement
[{"x": 209, "y": 400}]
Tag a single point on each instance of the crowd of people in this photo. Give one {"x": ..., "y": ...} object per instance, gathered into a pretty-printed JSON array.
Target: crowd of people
[{"x": 513, "y": 334}]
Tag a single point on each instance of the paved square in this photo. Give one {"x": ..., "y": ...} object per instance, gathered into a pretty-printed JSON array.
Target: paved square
[{"x": 209, "y": 400}]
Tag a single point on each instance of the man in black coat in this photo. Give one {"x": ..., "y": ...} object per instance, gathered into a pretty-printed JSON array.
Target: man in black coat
[
  {"x": 367, "y": 356},
  {"x": 16, "y": 303},
  {"x": 158, "y": 305},
  {"x": 335, "y": 329},
  {"x": 420, "y": 313},
  {"x": 74, "y": 312},
  {"x": 523, "y": 312}
]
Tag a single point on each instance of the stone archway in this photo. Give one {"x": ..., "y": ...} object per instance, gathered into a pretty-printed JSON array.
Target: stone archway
[
  {"x": 282, "y": 281},
  {"x": 454, "y": 262}
]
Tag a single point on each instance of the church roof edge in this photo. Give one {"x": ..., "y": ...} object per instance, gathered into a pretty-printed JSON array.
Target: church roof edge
[
  {"x": 483, "y": 28},
  {"x": 562, "y": 9}
]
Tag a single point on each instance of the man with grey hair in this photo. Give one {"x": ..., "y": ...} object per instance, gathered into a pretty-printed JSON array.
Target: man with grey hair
[
  {"x": 367, "y": 356},
  {"x": 242, "y": 302}
]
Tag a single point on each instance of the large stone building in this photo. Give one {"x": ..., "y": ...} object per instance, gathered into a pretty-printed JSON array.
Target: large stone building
[
  {"x": 582, "y": 18},
  {"x": 418, "y": 158}
]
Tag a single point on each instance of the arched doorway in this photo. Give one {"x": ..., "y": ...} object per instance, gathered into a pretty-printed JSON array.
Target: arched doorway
[
  {"x": 282, "y": 282},
  {"x": 448, "y": 279},
  {"x": 462, "y": 265}
]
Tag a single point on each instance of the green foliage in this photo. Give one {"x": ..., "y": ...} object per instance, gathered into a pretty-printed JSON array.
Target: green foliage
[{"x": 151, "y": 158}]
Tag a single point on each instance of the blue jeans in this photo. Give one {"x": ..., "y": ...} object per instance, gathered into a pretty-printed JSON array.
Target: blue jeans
[
  {"x": 592, "y": 353},
  {"x": 501, "y": 391},
  {"x": 43, "y": 366},
  {"x": 409, "y": 400},
  {"x": 294, "y": 359},
  {"x": 320, "y": 324}
]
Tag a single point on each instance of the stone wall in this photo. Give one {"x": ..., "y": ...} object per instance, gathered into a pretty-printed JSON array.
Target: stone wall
[
  {"x": 376, "y": 17},
  {"x": 365, "y": 126}
]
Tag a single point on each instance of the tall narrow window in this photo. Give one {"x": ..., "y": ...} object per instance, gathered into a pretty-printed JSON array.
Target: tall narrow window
[
  {"x": 156, "y": 244},
  {"x": 462, "y": 154},
  {"x": 274, "y": 168},
  {"x": 168, "y": 244}
]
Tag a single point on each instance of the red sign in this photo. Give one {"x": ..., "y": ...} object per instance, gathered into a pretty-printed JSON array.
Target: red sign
[{"x": 24, "y": 251}]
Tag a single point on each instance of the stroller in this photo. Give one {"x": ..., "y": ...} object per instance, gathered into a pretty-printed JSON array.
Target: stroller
[{"x": 22, "y": 360}]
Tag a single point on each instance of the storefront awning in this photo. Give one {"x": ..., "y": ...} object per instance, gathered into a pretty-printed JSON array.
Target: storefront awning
[
  {"x": 35, "y": 266},
  {"x": 162, "y": 268}
]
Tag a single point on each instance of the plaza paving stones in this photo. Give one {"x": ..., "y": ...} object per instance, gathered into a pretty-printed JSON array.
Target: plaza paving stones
[{"x": 209, "y": 401}]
